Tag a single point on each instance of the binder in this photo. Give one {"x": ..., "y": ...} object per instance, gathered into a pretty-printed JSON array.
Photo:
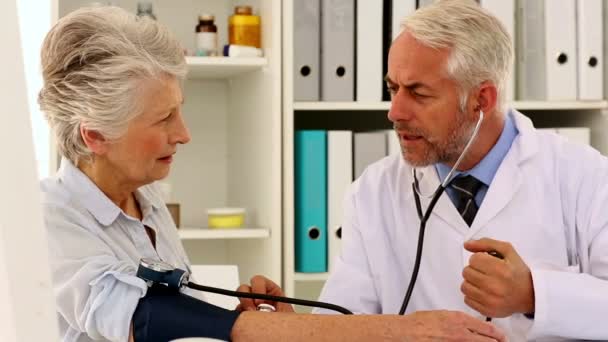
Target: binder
[
  {"x": 337, "y": 50},
  {"x": 547, "y": 50},
  {"x": 339, "y": 178},
  {"x": 401, "y": 9},
  {"x": 310, "y": 201},
  {"x": 387, "y": 39},
  {"x": 423, "y": 3},
  {"x": 306, "y": 46},
  {"x": 590, "y": 49},
  {"x": 392, "y": 143},
  {"x": 369, "y": 147},
  {"x": 504, "y": 10},
  {"x": 605, "y": 30},
  {"x": 369, "y": 77}
]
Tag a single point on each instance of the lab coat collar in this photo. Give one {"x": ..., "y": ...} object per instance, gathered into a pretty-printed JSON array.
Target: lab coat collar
[
  {"x": 87, "y": 193},
  {"x": 504, "y": 186}
]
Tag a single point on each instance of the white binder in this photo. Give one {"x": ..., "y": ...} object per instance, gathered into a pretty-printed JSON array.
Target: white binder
[
  {"x": 590, "y": 49},
  {"x": 337, "y": 50},
  {"x": 605, "y": 29},
  {"x": 306, "y": 46},
  {"x": 504, "y": 10},
  {"x": 400, "y": 10},
  {"x": 339, "y": 178},
  {"x": 392, "y": 143},
  {"x": 547, "y": 50},
  {"x": 423, "y": 3},
  {"x": 369, "y": 51}
]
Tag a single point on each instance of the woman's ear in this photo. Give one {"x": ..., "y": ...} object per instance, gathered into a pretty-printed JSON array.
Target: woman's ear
[{"x": 94, "y": 140}]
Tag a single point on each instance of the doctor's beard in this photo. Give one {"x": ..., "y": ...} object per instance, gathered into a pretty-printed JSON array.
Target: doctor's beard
[{"x": 444, "y": 150}]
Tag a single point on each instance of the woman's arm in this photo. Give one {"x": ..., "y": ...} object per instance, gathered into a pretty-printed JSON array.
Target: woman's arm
[{"x": 419, "y": 326}]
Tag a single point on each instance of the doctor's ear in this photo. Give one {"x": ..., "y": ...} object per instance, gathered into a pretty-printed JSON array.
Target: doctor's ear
[
  {"x": 487, "y": 97},
  {"x": 94, "y": 140}
]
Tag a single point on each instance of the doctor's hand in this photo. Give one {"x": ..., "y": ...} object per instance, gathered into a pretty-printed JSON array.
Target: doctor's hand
[
  {"x": 497, "y": 287},
  {"x": 262, "y": 285}
]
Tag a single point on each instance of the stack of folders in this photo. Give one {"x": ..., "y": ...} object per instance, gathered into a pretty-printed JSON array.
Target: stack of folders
[
  {"x": 341, "y": 47},
  {"x": 326, "y": 163},
  {"x": 560, "y": 50}
]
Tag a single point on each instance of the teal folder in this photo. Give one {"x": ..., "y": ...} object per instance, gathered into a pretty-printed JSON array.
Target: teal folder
[{"x": 311, "y": 201}]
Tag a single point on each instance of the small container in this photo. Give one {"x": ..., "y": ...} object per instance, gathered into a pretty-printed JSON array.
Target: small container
[
  {"x": 241, "y": 51},
  {"x": 206, "y": 36},
  {"x": 226, "y": 217},
  {"x": 244, "y": 27},
  {"x": 144, "y": 9}
]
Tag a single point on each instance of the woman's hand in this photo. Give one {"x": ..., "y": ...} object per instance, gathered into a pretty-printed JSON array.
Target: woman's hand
[{"x": 262, "y": 285}]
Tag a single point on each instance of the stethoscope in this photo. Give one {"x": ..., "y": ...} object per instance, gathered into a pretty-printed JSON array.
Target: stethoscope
[
  {"x": 424, "y": 217},
  {"x": 159, "y": 272}
]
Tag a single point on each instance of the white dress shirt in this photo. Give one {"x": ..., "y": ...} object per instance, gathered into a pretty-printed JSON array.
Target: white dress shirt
[{"x": 95, "y": 249}]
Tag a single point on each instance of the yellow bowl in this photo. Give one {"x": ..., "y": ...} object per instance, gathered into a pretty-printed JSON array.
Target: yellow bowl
[{"x": 226, "y": 218}]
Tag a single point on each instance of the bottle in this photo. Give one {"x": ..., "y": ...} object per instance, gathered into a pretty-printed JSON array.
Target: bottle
[
  {"x": 206, "y": 36},
  {"x": 144, "y": 9},
  {"x": 244, "y": 27}
]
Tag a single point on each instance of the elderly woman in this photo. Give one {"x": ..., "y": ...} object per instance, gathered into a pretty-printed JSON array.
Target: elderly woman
[{"x": 113, "y": 98}]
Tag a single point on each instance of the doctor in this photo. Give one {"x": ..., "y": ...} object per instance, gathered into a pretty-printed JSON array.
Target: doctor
[{"x": 534, "y": 197}]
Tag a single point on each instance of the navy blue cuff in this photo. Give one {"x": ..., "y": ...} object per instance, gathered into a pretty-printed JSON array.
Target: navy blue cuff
[{"x": 165, "y": 314}]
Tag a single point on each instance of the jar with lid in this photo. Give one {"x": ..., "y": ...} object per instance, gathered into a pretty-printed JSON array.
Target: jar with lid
[
  {"x": 244, "y": 27},
  {"x": 144, "y": 9},
  {"x": 206, "y": 36}
]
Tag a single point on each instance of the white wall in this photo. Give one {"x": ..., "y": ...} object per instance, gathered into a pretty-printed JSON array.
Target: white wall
[
  {"x": 34, "y": 23},
  {"x": 26, "y": 302}
]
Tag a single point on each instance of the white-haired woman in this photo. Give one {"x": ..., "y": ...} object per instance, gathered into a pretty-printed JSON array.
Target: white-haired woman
[{"x": 112, "y": 96}]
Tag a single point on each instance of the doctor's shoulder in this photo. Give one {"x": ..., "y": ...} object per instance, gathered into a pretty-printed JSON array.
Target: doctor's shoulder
[
  {"x": 570, "y": 152},
  {"x": 574, "y": 162},
  {"x": 381, "y": 175}
]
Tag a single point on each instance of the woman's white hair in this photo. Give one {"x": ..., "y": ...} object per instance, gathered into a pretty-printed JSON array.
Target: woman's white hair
[
  {"x": 481, "y": 48},
  {"x": 93, "y": 61}
]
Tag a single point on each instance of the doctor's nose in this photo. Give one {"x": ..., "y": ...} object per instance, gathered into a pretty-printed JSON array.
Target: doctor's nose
[{"x": 401, "y": 109}]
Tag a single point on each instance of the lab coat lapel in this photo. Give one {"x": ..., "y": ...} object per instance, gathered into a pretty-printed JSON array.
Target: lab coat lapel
[
  {"x": 501, "y": 192},
  {"x": 509, "y": 177},
  {"x": 444, "y": 209}
]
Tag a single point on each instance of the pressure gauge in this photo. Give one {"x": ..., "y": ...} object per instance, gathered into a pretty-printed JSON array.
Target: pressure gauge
[{"x": 160, "y": 272}]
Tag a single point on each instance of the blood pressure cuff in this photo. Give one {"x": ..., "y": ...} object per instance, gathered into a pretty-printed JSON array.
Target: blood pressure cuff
[{"x": 165, "y": 314}]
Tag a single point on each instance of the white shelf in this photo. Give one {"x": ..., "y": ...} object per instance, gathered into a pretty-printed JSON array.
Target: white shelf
[
  {"x": 559, "y": 105},
  {"x": 190, "y": 233},
  {"x": 519, "y": 105},
  {"x": 341, "y": 105},
  {"x": 222, "y": 67},
  {"x": 311, "y": 276}
]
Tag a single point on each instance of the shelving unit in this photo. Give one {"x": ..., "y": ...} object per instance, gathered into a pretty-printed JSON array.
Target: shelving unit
[
  {"x": 304, "y": 277},
  {"x": 189, "y": 233},
  {"x": 233, "y": 111},
  {"x": 519, "y": 105},
  {"x": 222, "y": 67}
]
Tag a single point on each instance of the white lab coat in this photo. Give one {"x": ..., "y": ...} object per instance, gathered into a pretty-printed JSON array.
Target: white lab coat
[{"x": 549, "y": 199}]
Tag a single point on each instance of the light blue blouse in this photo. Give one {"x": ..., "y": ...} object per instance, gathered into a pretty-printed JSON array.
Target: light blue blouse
[{"x": 95, "y": 249}]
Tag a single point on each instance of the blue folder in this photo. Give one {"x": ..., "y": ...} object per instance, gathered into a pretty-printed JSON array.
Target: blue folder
[{"x": 311, "y": 201}]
